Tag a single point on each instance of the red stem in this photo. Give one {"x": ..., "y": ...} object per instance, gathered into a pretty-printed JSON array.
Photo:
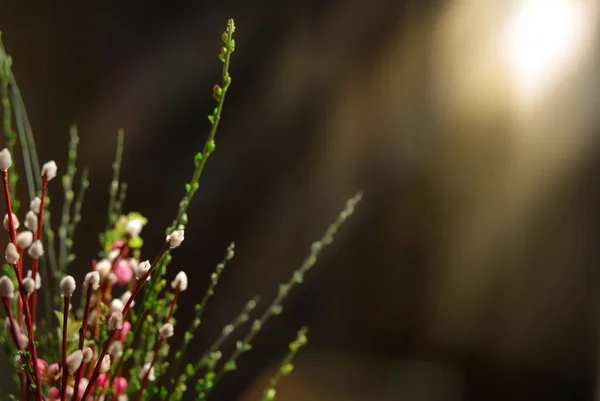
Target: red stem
[
  {"x": 13, "y": 330},
  {"x": 83, "y": 329},
  {"x": 175, "y": 297},
  {"x": 11, "y": 224},
  {"x": 147, "y": 375},
  {"x": 65, "y": 370}
]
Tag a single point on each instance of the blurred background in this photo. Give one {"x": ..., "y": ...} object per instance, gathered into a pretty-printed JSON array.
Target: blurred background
[{"x": 470, "y": 271}]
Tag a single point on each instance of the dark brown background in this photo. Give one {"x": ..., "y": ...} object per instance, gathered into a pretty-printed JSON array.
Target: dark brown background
[{"x": 469, "y": 271}]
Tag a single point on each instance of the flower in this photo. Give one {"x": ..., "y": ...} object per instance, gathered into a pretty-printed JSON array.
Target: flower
[
  {"x": 115, "y": 321},
  {"x": 11, "y": 254},
  {"x": 74, "y": 361},
  {"x": 147, "y": 370},
  {"x": 36, "y": 250},
  {"x": 67, "y": 286},
  {"x": 180, "y": 282},
  {"x": 123, "y": 272},
  {"x": 28, "y": 285},
  {"x": 5, "y": 159},
  {"x": 7, "y": 289},
  {"x": 31, "y": 221},
  {"x": 142, "y": 269},
  {"x": 35, "y": 205},
  {"x": 166, "y": 331},
  {"x": 92, "y": 279},
  {"x": 6, "y": 222},
  {"x": 175, "y": 239},
  {"x": 119, "y": 385},
  {"x": 134, "y": 227},
  {"x": 126, "y": 329},
  {"x": 105, "y": 365},
  {"x": 24, "y": 239},
  {"x": 49, "y": 170}
]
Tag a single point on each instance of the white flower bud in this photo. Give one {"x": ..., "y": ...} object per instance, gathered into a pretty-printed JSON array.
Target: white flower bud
[
  {"x": 5, "y": 160},
  {"x": 125, "y": 298},
  {"x": 103, "y": 268},
  {"x": 35, "y": 205},
  {"x": 24, "y": 340},
  {"x": 6, "y": 222},
  {"x": 115, "y": 350},
  {"x": 28, "y": 285},
  {"x": 24, "y": 239},
  {"x": 88, "y": 354},
  {"x": 38, "y": 279},
  {"x": 67, "y": 286},
  {"x": 147, "y": 370},
  {"x": 175, "y": 239},
  {"x": 74, "y": 361},
  {"x": 142, "y": 269},
  {"x": 115, "y": 321},
  {"x": 49, "y": 170},
  {"x": 134, "y": 227},
  {"x": 105, "y": 365},
  {"x": 92, "y": 279},
  {"x": 93, "y": 316},
  {"x": 112, "y": 255},
  {"x": 180, "y": 282},
  {"x": 112, "y": 279},
  {"x": 166, "y": 331},
  {"x": 31, "y": 221},
  {"x": 116, "y": 305},
  {"x": 36, "y": 250},
  {"x": 7, "y": 289},
  {"x": 11, "y": 254}
]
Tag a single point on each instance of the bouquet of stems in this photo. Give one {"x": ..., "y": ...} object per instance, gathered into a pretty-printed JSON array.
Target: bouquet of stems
[{"x": 112, "y": 342}]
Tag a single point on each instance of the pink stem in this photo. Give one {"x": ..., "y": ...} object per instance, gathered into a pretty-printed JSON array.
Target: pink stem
[{"x": 65, "y": 370}]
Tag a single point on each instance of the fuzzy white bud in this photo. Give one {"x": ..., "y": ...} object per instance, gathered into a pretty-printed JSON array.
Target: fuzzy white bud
[
  {"x": 166, "y": 331},
  {"x": 115, "y": 321},
  {"x": 180, "y": 282},
  {"x": 6, "y": 222},
  {"x": 112, "y": 255},
  {"x": 134, "y": 227},
  {"x": 67, "y": 286},
  {"x": 74, "y": 361},
  {"x": 103, "y": 268},
  {"x": 175, "y": 238},
  {"x": 7, "y": 289},
  {"x": 92, "y": 279},
  {"x": 35, "y": 205},
  {"x": 88, "y": 354},
  {"x": 28, "y": 285},
  {"x": 5, "y": 160},
  {"x": 24, "y": 239},
  {"x": 125, "y": 298},
  {"x": 11, "y": 254},
  {"x": 142, "y": 269},
  {"x": 24, "y": 340},
  {"x": 38, "y": 279},
  {"x": 49, "y": 170},
  {"x": 112, "y": 279},
  {"x": 36, "y": 250},
  {"x": 115, "y": 350},
  {"x": 31, "y": 221},
  {"x": 147, "y": 370},
  {"x": 116, "y": 305},
  {"x": 105, "y": 364}
]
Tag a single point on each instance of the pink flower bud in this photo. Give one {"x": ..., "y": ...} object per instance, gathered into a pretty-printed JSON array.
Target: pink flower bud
[{"x": 123, "y": 272}]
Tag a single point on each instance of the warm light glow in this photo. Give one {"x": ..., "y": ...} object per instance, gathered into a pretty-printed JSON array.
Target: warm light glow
[{"x": 542, "y": 38}]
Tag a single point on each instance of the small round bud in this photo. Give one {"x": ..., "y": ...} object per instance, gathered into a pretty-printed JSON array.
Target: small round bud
[
  {"x": 175, "y": 239},
  {"x": 49, "y": 170},
  {"x": 74, "y": 361},
  {"x": 28, "y": 285},
  {"x": 105, "y": 365},
  {"x": 88, "y": 354},
  {"x": 5, "y": 160},
  {"x": 31, "y": 221},
  {"x": 24, "y": 239},
  {"x": 92, "y": 279},
  {"x": 7, "y": 289},
  {"x": 147, "y": 370},
  {"x": 180, "y": 282},
  {"x": 35, "y": 205},
  {"x": 125, "y": 298},
  {"x": 36, "y": 250},
  {"x": 103, "y": 268},
  {"x": 112, "y": 255},
  {"x": 11, "y": 254},
  {"x": 134, "y": 227},
  {"x": 67, "y": 286},
  {"x": 115, "y": 322},
  {"x": 166, "y": 331},
  {"x": 6, "y": 222},
  {"x": 142, "y": 269},
  {"x": 116, "y": 305},
  {"x": 112, "y": 279},
  {"x": 38, "y": 279},
  {"x": 115, "y": 350}
]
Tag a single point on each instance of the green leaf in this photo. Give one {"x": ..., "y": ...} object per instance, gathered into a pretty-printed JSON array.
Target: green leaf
[
  {"x": 73, "y": 327},
  {"x": 136, "y": 242}
]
